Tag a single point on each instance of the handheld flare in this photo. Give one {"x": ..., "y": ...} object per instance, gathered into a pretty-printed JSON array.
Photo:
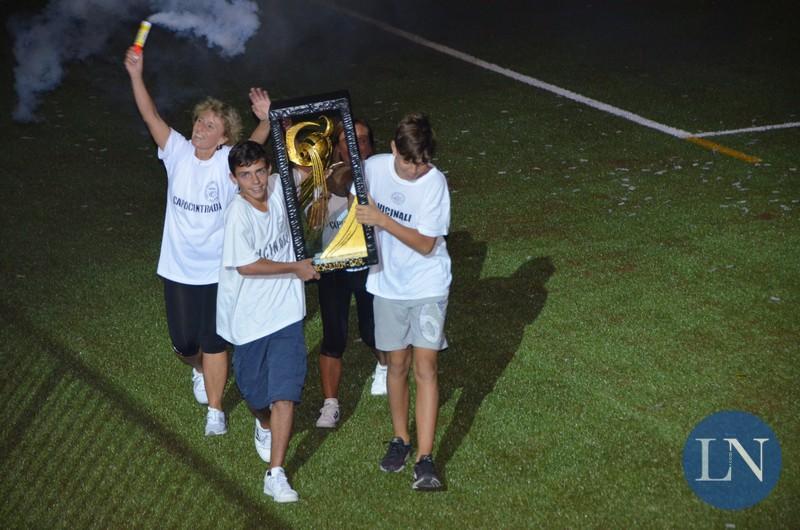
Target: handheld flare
[{"x": 141, "y": 36}]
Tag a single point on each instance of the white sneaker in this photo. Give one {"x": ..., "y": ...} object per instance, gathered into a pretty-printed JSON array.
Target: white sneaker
[
  {"x": 328, "y": 414},
  {"x": 199, "y": 386},
  {"x": 379, "y": 380},
  {"x": 215, "y": 422},
  {"x": 276, "y": 485},
  {"x": 263, "y": 442}
]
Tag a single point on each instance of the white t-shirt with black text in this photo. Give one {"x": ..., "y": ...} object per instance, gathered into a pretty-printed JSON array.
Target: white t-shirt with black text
[
  {"x": 197, "y": 193},
  {"x": 402, "y": 273},
  {"x": 252, "y": 307}
]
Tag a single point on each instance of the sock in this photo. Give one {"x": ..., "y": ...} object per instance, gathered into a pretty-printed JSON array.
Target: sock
[{"x": 335, "y": 401}]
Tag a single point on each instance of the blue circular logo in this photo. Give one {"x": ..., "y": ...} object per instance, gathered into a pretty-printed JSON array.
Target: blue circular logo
[{"x": 732, "y": 460}]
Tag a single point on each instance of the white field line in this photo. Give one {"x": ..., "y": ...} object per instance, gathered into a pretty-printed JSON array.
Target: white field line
[
  {"x": 787, "y": 125},
  {"x": 599, "y": 105},
  {"x": 532, "y": 81}
]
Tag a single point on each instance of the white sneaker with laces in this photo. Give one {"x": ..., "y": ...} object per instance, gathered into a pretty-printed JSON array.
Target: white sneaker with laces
[
  {"x": 215, "y": 422},
  {"x": 329, "y": 414},
  {"x": 199, "y": 387},
  {"x": 379, "y": 380},
  {"x": 263, "y": 442},
  {"x": 276, "y": 485}
]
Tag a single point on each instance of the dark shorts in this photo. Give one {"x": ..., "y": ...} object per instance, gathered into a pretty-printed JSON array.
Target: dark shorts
[
  {"x": 192, "y": 318},
  {"x": 272, "y": 368},
  {"x": 336, "y": 288}
]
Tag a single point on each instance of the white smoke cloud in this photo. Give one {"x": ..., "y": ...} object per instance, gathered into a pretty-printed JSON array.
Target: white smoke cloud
[
  {"x": 227, "y": 26},
  {"x": 69, "y": 30}
]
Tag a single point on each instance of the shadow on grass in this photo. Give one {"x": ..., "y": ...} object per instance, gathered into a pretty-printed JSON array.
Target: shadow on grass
[
  {"x": 486, "y": 322},
  {"x": 358, "y": 364},
  {"x": 65, "y": 362}
]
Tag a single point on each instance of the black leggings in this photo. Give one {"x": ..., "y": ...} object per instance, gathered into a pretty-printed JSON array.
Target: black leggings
[
  {"x": 335, "y": 291},
  {"x": 192, "y": 318}
]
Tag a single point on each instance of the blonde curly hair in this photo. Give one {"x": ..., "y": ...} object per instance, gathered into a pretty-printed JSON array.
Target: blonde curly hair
[{"x": 231, "y": 120}]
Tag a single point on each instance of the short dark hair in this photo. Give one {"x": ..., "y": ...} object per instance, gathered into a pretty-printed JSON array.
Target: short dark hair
[
  {"x": 414, "y": 138},
  {"x": 246, "y": 154}
]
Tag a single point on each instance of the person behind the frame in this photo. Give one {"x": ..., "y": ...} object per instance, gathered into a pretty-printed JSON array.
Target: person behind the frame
[
  {"x": 337, "y": 288},
  {"x": 261, "y": 306},
  {"x": 198, "y": 190}
]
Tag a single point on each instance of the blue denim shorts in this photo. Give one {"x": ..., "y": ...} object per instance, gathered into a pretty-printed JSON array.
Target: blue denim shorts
[{"x": 272, "y": 368}]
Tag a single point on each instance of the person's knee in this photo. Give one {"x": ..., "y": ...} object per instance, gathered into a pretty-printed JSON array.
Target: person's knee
[
  {"x": 425, "y": 375},
  {"x": 399, "y": 362},
  {"x": 425, "y": 369},
  {"x": 282, "y": 406}
]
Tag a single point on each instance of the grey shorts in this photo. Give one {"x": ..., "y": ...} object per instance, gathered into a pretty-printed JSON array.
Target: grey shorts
[{"x": 400, "y": 323}]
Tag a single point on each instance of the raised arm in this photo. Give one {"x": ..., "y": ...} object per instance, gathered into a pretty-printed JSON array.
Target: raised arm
[
  {"x": 369, "y": 214},
  {"x": 262, "y": 267},
  {"x": 159, "y": 130},
  {"x": 260, "y": 104}
]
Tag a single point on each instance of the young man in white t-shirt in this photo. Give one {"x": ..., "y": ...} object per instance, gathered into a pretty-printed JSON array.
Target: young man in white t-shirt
[
  {"x": 410, "y": 208},
  {"x": 260, "y": 308}
]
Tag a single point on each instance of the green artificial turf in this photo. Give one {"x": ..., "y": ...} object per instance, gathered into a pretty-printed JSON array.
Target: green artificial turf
[{"x": 613, "y": 285}]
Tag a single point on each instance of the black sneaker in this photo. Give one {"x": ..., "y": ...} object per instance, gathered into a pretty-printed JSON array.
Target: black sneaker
[
  {"x": 425, "y": 476},
  {"x": 396, "y": 455}
]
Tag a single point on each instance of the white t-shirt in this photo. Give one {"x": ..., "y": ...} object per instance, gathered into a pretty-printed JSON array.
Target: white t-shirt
[
  {"x": 252, "y": 307},
  {"x": 197, "y": 193},
  {"x": 402, "y": 273}
]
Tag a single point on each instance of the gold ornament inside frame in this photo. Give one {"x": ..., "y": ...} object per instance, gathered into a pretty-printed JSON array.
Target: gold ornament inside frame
[
  {"x": 302, "y": 135},
  {"x": 309, "y": 145}
]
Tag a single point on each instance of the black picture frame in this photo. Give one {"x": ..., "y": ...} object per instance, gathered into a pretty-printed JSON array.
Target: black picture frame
[{"x": 338, "y": 102}]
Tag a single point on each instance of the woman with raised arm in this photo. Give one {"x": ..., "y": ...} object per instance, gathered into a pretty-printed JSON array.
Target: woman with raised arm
[{"x": 198, "y": 190}]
